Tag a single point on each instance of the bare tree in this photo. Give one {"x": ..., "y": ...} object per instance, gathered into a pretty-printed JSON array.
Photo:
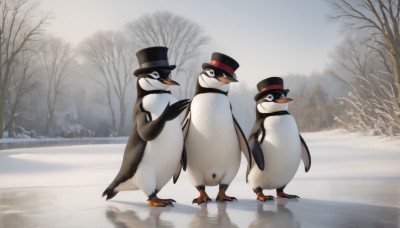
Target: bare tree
[
  {"x": 19, "y": 26},
  {"x": 183, "y": 37},
  {"x": 378, "y": 17},
  {"x": 22, "y": 83},
  {"x": 371, "y": 104},
  {"x": 113, "y": 56},
  {"x": 55, "y": 56}
]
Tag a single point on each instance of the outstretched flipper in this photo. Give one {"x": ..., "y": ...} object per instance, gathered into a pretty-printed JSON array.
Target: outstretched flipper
[
  {"x": 148, "y": 129},
  {"x": 305, "y": 154}
]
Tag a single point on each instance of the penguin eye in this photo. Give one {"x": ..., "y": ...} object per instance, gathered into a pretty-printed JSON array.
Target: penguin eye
[
  {"x": 155, "y": 74},
  {"x": 210, "y": 73},
  {"x": 270, "y": 97}
]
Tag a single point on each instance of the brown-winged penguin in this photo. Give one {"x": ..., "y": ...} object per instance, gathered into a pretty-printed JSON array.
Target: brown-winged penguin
[
  {"x": 213, "y": 137},
  {"x": 275, "y": 142},
  {"x": 154, "y": 148}
]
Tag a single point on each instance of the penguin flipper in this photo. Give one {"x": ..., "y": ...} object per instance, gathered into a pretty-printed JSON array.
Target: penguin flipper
[
  {"x": 150, "y": 129},
  {"x": 177, "y": 173},
  {"x": 186, "y": 122},
  {"x": 185, "y": 129},
  {"x": 181, "y": 165},
  {"x": 305, "y": 154},
  {"x": 254, "y": 143},
  {"x": 244, "y": 145},
  {"x": 257, "y": 152}
]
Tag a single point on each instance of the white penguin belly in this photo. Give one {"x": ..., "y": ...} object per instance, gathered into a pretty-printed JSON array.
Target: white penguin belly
[
  {"x": 213, "y": 152},
  {"x": 282, "y": 153},
  {"x": 162, "y": 155}
]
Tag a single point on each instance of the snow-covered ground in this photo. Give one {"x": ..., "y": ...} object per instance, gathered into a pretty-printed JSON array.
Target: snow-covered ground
[
  {"x": 10, "y": 143},
  {"x": 354, "y": 181}
]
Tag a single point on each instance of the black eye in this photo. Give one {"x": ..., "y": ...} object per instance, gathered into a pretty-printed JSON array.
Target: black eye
[
  {"x": 155, "y": 74},
  {"x": 270, "y": 97},
  {"x": 210, "y": 72}
]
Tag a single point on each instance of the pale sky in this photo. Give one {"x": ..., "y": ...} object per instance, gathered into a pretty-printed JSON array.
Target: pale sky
[{"x": 266, "y": 37}]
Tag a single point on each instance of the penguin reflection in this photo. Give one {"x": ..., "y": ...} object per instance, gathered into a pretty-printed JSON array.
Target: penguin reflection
[
  {"x": 278, "y": 216},
  {"x": 130, "y": 219},
  {"x": 202, "y": 218}
]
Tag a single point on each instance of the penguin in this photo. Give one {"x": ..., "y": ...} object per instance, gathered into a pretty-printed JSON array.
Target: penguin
[
  {"x": 154, "y": 148},
  {"x": 275, "y": 142},
  {"x": 213, "y": 137}
]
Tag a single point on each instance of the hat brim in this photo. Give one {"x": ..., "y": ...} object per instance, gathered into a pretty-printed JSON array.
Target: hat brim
[
  {"x": 141, "y": 70},
  {"x": 207, "y": 65},
  {"x": 263, "y": 93}
]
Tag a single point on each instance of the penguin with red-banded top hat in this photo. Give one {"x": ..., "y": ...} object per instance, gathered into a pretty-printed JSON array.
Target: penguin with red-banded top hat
[
  {"x": 154, "y": 149},
  {"x": 275, "y": 142},
  {"x": 213, "y": 137}
]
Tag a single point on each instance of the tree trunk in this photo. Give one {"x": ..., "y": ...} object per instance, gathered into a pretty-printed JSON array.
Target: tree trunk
[
  {"x": 11, "y": 128},
  {"x": 396, "y": 72},
  {"x": 49, "y": 122},
  {"x": 2, "y": 111}
]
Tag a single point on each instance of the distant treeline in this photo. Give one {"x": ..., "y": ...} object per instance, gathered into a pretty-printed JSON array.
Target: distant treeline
[{"x": 49, "y": 88}]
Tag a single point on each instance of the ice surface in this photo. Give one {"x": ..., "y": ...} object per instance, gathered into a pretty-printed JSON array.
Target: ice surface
[{"x": 354, "y": 181}]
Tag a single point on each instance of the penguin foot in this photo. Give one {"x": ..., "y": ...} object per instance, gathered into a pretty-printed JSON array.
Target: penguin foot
[
  {"x": 203, "y": 198},
  {"x": 157, "y": 202},
  {"x": 287, "y": 196},
  {"x": 222, "y": 197},
  {"x": 262, "y": 198}
]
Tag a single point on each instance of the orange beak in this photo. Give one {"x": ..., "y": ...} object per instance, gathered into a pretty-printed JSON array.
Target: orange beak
[
  {"x": 169, "y": 82},
  {"x": 285, "y": 100},
  {"x": 227, "y": 79}
]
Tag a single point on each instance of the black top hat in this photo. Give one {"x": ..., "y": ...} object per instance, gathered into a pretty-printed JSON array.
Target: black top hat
[
  {"x": 152, "y": 58},
  {"x": 223, "y": 62},
  {"x": 268, "y": 84}
]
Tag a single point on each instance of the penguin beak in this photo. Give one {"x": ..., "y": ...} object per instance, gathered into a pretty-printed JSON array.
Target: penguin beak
[
  {"x": 284, "y": 100},
  {"x": 169, "y": 81},
  {"x": 226, "y": 79}
]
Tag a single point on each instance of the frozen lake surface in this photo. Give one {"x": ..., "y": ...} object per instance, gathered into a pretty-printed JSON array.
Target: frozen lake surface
[{"x": 354, "y": 181}]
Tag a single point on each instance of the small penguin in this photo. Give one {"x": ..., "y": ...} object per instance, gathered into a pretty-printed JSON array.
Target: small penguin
[
  {"x": 213, "y": 137},
  {"x": 275, "y": 142},
  {"x": 154, "y": 149}
]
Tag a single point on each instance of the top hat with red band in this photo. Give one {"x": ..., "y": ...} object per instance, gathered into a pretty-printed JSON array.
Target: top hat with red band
[
  {"x": 223, "y": 62},
  {"x": 152, "y": 58},
  {"x": 269, "y": 84}
]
